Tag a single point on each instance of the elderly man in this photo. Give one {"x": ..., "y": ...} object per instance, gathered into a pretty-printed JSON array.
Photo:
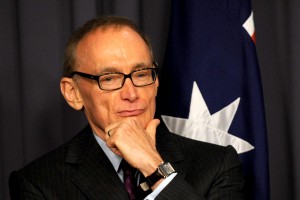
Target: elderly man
[{"x": 110, "y": 74}]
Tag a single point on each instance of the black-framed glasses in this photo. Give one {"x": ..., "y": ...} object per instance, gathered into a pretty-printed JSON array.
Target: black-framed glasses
[{"x": 115, "y": 80}]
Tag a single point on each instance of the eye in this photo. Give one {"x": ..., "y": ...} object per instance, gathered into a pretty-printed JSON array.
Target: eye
[
  {"x": 142, "y": 74},
  {"x": 110, "y": 78},
  {"x": 107, "y": 78}
]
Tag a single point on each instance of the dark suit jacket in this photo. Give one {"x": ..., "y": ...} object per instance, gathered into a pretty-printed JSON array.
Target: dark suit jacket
[{"x": 80, "y": 170}]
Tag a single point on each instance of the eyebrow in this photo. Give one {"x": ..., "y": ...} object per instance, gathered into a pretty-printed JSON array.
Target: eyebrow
[
  {"x": 140, "y": 65},
  {"x": 110, "y": 69}
]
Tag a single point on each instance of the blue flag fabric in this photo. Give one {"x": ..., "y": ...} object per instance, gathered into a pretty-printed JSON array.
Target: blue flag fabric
[{"x": 210, "y": 87}]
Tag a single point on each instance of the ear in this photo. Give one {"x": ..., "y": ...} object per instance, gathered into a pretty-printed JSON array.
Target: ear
[{"x": 71, "y": 93}]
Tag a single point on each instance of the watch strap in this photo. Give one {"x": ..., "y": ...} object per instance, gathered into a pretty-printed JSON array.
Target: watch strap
[{"x": 164, "y": 170}]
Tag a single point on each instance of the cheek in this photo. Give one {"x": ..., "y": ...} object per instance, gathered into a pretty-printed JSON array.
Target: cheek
[
  {"x": 151, "y": 107},
  {"x": 103, "y": 108},
  {"x": 151, "y": 103},
  {"x": 98, "y": 108}
]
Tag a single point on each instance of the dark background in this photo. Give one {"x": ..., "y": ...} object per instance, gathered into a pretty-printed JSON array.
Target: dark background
[{"x": 34, "y": 118}]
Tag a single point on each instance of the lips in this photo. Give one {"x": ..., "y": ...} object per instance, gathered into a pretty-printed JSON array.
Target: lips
[{"x": 130, "y": 113}]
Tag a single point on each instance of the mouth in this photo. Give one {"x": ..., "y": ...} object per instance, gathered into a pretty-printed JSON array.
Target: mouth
[{"x": 130, "y": 113}]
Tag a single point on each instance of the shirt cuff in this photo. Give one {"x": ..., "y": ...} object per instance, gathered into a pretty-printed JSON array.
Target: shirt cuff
[{"x": 161, "y": 186}]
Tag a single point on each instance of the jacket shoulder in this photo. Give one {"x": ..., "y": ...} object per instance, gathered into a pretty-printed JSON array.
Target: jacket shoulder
[
  {"x": 53, "y": 161},
  {"x": 198, "y": 152}
]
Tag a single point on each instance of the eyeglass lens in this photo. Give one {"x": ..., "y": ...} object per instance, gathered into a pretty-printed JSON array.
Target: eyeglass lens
[{"x": 116, "y": 80}]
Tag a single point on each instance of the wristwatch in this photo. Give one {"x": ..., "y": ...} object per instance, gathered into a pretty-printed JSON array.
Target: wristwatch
[{"x": 164, "y": 170}]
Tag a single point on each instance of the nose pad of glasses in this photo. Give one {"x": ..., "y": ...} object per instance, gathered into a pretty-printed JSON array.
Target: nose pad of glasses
[
  {"x": 128, "y": 76},
  {"x": 130, "y": 81}
]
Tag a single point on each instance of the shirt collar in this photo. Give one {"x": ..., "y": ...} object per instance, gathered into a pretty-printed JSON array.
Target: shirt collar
[{"x": 114, "y": 158}]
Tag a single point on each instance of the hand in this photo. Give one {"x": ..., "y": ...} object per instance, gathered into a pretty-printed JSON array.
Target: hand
[{"x": 135, "y": 143}]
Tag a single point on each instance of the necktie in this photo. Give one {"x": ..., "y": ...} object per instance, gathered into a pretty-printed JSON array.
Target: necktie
[{"x": 129, "y": 179}]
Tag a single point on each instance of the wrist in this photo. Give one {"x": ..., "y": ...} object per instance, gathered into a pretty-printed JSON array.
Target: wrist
[
  {"x": 150, "y": 166},
  {"x": 163, "y": 170}
]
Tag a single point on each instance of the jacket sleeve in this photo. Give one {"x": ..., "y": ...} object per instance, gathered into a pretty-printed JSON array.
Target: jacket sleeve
[{"x": 226, "y": 183}]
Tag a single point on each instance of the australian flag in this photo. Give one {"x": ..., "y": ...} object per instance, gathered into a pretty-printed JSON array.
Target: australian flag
[{"x": 210, "y": 86}]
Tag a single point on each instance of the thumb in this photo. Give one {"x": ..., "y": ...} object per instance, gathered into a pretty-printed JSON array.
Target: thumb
[{"x": 151, "y": 128}]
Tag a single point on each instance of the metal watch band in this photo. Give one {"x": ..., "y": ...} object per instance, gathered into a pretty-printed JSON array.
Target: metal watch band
[{"x": 164, "y": 170}]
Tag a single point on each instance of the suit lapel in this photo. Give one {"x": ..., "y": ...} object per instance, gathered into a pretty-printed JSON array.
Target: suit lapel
[{"x": 93, "y": 173}]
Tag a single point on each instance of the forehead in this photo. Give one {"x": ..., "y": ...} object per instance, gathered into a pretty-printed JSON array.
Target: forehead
[{"x": 112, "y": 47}]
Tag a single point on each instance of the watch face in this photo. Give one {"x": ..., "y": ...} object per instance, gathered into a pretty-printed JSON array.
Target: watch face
[
  {"x": 163, "y": 171},
  {"x": 166, "y": 169}
]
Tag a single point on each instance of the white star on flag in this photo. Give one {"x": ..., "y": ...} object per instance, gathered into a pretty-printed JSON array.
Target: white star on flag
[{"x": 203, "y": 126}]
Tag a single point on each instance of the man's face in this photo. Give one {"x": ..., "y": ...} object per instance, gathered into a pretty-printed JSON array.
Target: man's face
[{"x": 114, "y": 50}]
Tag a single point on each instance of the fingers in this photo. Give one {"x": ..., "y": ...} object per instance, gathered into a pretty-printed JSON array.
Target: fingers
[
  {"x": 109, "y": 130},
  {"x": 111, "y": 144},
  {"x": 129, "y": 134},
  {"x": 135, "y": 142},
  {"x": 151, "y": 128},
  {"x": 116, "y": 151}
]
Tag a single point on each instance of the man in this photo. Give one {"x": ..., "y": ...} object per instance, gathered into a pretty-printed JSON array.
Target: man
[{"x": 110, "y": 74}]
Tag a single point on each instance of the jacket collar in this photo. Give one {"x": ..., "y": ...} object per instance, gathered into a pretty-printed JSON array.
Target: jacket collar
[{"x": 93, "y": 173}]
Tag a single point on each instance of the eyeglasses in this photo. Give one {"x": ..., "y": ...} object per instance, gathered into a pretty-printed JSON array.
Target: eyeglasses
[{"x": 114, "y": 81}]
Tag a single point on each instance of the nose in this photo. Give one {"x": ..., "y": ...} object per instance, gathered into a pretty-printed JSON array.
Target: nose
[{"x": 129, "y": 91}]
